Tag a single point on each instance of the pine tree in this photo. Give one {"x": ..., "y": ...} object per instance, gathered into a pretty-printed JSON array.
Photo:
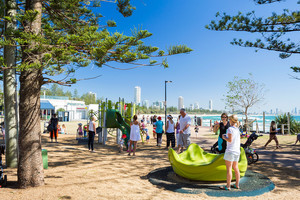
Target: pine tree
[
  {"x": 273, "y": 30},
  {"x": 56, "y": 37}
]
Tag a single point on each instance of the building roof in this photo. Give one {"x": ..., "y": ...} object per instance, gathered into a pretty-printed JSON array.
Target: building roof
[{"x": 46, "y": 105}]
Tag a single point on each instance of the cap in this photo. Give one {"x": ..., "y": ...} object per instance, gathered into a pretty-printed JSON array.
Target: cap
[
  {"x": 159, "y": 118},
  {"x": 170, "y": 116}
]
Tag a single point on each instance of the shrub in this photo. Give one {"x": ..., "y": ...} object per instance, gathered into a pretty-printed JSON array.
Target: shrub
[{"x": 283, "y": 119}]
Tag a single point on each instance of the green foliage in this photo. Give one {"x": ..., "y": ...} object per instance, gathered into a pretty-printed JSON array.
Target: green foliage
[
  {"x": 283, "y": 119},
  {"x": 273, "y": 30},
  {"x": 60, "y": 110},
  {"x": 73, "y": 35},
  {"x": 244, "y": 93}
]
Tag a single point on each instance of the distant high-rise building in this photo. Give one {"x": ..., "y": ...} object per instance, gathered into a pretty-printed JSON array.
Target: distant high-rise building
[
  {"x": 191, "y": 106},
  {"x": 276, "y": 111},
  {"x": 210, "y": 106},
  {"x": 196, "y": 106},
  {"x": 271, "y": 111},
  {"x": 180, "y": 102},
  {"x": 137, "y": 95},
  {"x": 146, "y": 103},
  {"x": 296, "y": 111}
]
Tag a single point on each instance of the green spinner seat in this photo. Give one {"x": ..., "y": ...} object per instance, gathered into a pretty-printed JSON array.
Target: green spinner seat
[{"x": 196, "y": 164}]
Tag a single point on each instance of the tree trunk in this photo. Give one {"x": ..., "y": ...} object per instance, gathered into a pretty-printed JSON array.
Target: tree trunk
[
  {"x": 30, "y": 166},
  {"x": 246, "y": 122}
]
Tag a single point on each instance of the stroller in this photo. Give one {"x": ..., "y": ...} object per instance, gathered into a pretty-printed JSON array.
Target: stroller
[
  {"x": 3, "y": 178},
  {"x": 251, "y": 154}
]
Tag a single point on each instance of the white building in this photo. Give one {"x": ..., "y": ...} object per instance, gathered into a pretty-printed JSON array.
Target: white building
[
  {"x": 180, "y": 102},
  {"x": 210, "y": 106},
  {"x": 137, "y": 95},
  {"x": 77, "y": 109},
  {"x": 196, "y": 106},
  {"x": 191, "y": 106}
]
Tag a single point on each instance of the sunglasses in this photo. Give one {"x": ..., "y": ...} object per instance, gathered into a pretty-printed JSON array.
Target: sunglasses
[{"x": 224, "y": 117}]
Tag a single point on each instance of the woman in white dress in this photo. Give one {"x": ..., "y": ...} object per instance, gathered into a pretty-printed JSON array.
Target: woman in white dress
[{"x": 134, "y": 134}]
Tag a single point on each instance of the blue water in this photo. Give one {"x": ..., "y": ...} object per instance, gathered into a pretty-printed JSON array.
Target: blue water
[{"x": 259, "y": 118}]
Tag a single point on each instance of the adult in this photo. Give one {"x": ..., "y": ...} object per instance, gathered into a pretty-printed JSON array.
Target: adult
[
  {"x": 92, "y": 132},
  {"x": 222, "y": 126},
  {"x": 170, "y": 132},
  {"x": 272, "y": 136},
  {"x": 134, "y": 134},
  {"x": 177, "y": 128},
  {"x": 159, "y": 131},
  {"x": 185, "y": 131},
  {"x": 154, "y": 120},
  {"x": 232, "y": 153},
  {"x": 54, "y": 123}
]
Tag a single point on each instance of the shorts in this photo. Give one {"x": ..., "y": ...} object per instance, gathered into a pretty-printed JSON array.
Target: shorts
[
  {"x": 298, "y": 136},
  {"x": 184, "y": 140},
  {"x": 231, "y": 157},
  {"x": 147, "y": 137}
]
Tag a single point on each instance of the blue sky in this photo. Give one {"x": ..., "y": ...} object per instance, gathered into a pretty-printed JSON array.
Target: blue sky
[{"x": 202, "y": 74}]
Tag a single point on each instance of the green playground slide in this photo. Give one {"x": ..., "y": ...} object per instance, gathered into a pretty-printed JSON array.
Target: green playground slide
[
  {"x": 196, "y": 164},
  {"x": 115, "y": 120}
]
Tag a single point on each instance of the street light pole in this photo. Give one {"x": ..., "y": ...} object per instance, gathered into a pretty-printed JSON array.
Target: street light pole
[{"x": 166, "y": 104}]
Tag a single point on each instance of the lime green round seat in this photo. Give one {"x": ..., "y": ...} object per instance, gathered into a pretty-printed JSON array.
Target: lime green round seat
[{"x": 196, "y": 164}]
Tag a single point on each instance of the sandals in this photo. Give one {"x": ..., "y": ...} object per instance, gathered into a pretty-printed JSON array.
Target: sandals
[
  {"x": 235, "y": 187},
  {"x": 225, "y": 188}
]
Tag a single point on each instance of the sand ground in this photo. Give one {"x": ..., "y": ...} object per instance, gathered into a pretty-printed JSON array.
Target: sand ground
[{"x": 76, "y": 173}]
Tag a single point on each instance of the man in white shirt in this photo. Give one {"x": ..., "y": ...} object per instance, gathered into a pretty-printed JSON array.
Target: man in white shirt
[{"x": 185, "y": 131}]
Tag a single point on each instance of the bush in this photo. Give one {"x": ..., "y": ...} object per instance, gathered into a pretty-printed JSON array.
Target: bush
[{"x": 283, "y": 119}]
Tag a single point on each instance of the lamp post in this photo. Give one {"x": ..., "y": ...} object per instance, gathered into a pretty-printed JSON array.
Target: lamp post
[{"x": 166, "y": 104}]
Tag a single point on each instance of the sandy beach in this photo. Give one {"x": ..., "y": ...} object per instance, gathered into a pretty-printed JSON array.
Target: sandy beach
[{"x": 76, "y": 173}]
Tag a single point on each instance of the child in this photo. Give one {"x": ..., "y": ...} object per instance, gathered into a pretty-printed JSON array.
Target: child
[
  {"x": 196, "y": 130},
  {"x": 232, "y": 153},
  {"x": 122, "y": 143},
  {"x": 79, "y": 130},
  {"x": 63, "y": 129},
  {"x": 147, "y": 136}
]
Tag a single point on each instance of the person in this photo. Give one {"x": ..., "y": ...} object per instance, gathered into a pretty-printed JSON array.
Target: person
[
  {"x": 79, "y": 130},
  {"x": 159, "y": 131},
  {"x": 148, "y": 121},
  {"x": 195, "y": 119},
  {"x": 298, "y": 138},
  {"x": 54, "y": 122},
  {"x": 177, "y": 128},
  {"x": 92, "y": 132},
  {"x": 170, "y": 132},
  {"x": 154, "y": 126},
  {"x": 63, "y": 127},
  {"x": 232, "y": 152},
  {"x": 151, "y": 120},
  {"x": 145, "y": 130},
  {"x": 185, "y": 131},
  {"x": 3, "y": 130},
  {"x": 121, "y": 143},
  {"x": 272, "y": 136},
  {"x": 135, "y": 135},
  {"x": 223, "y": 126},
  {"x": 196, "y": 130}
]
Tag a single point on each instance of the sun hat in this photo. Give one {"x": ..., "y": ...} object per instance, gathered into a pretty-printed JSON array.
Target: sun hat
[{"x": 170, "y": 116}]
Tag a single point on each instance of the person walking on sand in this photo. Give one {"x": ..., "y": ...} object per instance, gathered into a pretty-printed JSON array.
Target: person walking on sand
[
  {"x": 54, "y": 123},
  {"x": 92, "y": 132},
  {"x": 273, "y": 136},
  {"x": 159, "y": 131},
  {"x": 232, "y": 153},
  {"x": 170, "y": 132},
  {"x": 135, "y": 135},
  {"x": 185, "y": 131}
]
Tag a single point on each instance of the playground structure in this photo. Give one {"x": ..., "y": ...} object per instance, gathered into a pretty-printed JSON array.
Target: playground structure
[{"x": 114, "y": 117}]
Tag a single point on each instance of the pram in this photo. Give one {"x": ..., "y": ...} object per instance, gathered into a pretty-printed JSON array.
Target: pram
[
  {"x": 3, "y": 178},
  {"x": 251, "y": 154}
]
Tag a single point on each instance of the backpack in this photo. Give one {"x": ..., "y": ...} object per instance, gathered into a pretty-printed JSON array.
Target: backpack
[{"x": 50, "y": 128}]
